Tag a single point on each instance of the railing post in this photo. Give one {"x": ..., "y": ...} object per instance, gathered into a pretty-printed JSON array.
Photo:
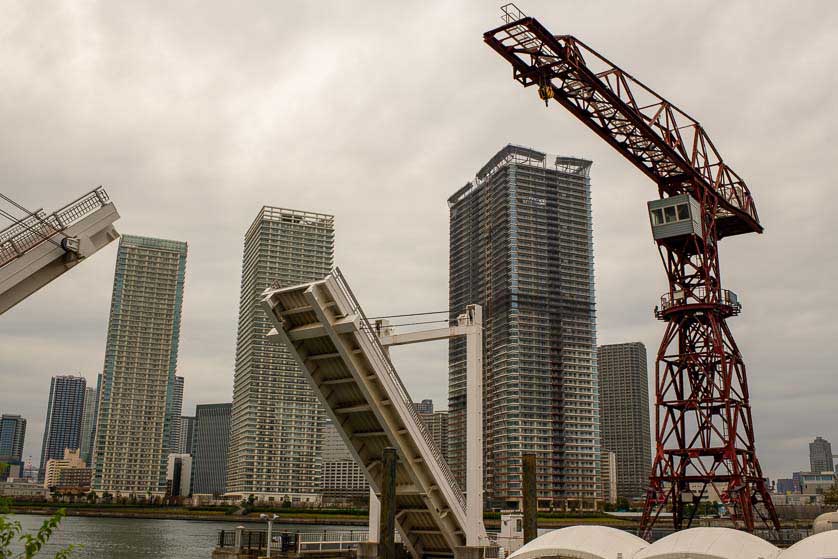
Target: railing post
[{"x": 237, "y": 545}]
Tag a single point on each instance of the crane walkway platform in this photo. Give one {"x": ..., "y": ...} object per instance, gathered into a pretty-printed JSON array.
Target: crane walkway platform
[
  {"x": 325, "y": 329},
  {"x": 38, "y": 248}
]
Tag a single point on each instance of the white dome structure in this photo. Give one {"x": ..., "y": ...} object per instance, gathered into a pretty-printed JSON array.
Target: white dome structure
[
  {"x": 709, "y": 543},
  {"x": 826, "y": 521},
  {"x": 819, "y": 546},
  {"x": 582, "y": 542}
]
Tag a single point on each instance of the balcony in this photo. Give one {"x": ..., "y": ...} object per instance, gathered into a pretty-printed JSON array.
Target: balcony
[{"x": 696, "y": 299}]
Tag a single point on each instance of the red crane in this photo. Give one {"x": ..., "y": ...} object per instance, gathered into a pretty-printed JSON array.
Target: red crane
[{"x": 704, "y": 431}]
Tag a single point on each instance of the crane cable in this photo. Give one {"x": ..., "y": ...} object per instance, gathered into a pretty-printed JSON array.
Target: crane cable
[
  {"x": 408, "y": 314},
  {"x": 16, "y": 221}
]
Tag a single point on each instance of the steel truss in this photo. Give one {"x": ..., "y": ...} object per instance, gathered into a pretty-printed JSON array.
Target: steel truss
[{"x": 704, "y": 429}]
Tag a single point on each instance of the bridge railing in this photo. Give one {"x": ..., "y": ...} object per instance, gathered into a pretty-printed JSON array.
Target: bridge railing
[
  {"x": 299, "y": 542},
  {"x": 31, "y": 231},
  {"x": 372, "y": 336}
]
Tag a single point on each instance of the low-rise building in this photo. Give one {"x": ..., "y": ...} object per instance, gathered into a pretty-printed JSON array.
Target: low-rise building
[
  {"x": 74, "y": 480},
  {"x": 797, "y": 499},
  {"x": 11, "y": 471},
  {"x": 786, "y": 485},
  {"x": 812, "y": 483},
  {"x": 72, "y": 459},
  {"x": 19, "y": 489}
]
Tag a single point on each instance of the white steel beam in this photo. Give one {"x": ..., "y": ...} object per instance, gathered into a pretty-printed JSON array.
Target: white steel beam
[
  {"x": 470, "y": 325},
  {"x": 371, "y": 409},
  {"x": 39, "y": 265},
  {"x": 474, "y": 426}
]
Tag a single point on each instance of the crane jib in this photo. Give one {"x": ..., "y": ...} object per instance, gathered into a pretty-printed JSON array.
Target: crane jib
[{"x": 665, "y": 143}]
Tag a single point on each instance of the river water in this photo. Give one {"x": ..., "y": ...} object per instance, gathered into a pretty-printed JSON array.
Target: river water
[{"x": 133, "y": 538}]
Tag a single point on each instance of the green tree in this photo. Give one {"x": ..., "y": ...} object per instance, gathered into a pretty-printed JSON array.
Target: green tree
[
  {"x": 11, "y": 532},
  {"x": 830, "y": 497}
]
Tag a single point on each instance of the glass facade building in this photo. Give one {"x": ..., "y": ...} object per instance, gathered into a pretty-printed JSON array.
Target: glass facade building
[
  {"x": 276, "y": 434},
  {"x": 12, "y": 435},
  {"x": 624, "y": 410},
  {"x": 211, "y": 441},
  {"x": 65, "y": 411},
  {"x": 137, "y": 396},
  {"x": 186, "y": 437},
  {"x": 521, "y": 246},
  {"x": 87, "y": 423}
]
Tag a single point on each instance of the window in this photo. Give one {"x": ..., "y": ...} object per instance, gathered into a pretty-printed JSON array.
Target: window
[
  {"x": 670, "y": 214},
  {"x": 657, "y": 217}
]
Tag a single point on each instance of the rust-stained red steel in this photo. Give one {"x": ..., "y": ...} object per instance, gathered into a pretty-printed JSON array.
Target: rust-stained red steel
[{"x": 704, "y": 431}]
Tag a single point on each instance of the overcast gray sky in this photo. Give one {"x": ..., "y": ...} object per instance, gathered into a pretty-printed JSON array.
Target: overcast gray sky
[{"x": 195, "y": 114}]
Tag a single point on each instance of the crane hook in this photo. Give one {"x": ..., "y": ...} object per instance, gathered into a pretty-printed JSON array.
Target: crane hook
[{"x": 546, "y": 92}]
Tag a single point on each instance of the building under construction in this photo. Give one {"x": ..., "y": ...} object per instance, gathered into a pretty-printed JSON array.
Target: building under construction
[{"x": 521, "y": 246}]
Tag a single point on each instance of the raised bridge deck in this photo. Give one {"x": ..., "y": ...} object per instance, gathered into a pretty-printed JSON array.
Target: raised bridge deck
[
  {"x": 39, "y": 248},
  {"x": 323, "y": 326}
]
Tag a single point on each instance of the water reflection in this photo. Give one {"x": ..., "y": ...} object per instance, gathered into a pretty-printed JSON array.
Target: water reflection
[{"x": 129, "y": 538}]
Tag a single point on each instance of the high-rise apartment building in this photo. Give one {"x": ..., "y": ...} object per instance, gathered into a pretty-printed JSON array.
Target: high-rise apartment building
[
  {"x": 63, "y": 425},
  {"x": 275, "y": 412},
  {"x": 12, "y": 435},
  {"x": 436, "y": 422},
  {"x": 87, "y": 423},
  {"x": 186, "y": 437},
  {"x": 820, "y": 456},
  {"x": 424, "y": 407},
  {"x": 175, "y": 417},
  {"x": 138, "y": 381},
  {"x": 624, "y": 414},
  {"x": 212, "y": 440},
  {"x": 342, "y": 475},
  {"x": 521, "y": 246}
]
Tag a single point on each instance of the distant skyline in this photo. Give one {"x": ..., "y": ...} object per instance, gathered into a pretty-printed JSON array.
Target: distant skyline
[{"x": 191, "y": 135}]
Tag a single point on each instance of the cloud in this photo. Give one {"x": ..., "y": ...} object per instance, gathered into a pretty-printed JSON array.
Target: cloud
[{"x": 194, "y": 115}]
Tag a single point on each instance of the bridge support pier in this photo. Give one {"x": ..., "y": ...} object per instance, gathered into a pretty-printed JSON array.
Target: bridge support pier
[
  {"x": 387, "y": 530},
  {"x": 374, "y": 517},
  {"x": 366, "y": 550},
  {"x": 468, "y": 552}
]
